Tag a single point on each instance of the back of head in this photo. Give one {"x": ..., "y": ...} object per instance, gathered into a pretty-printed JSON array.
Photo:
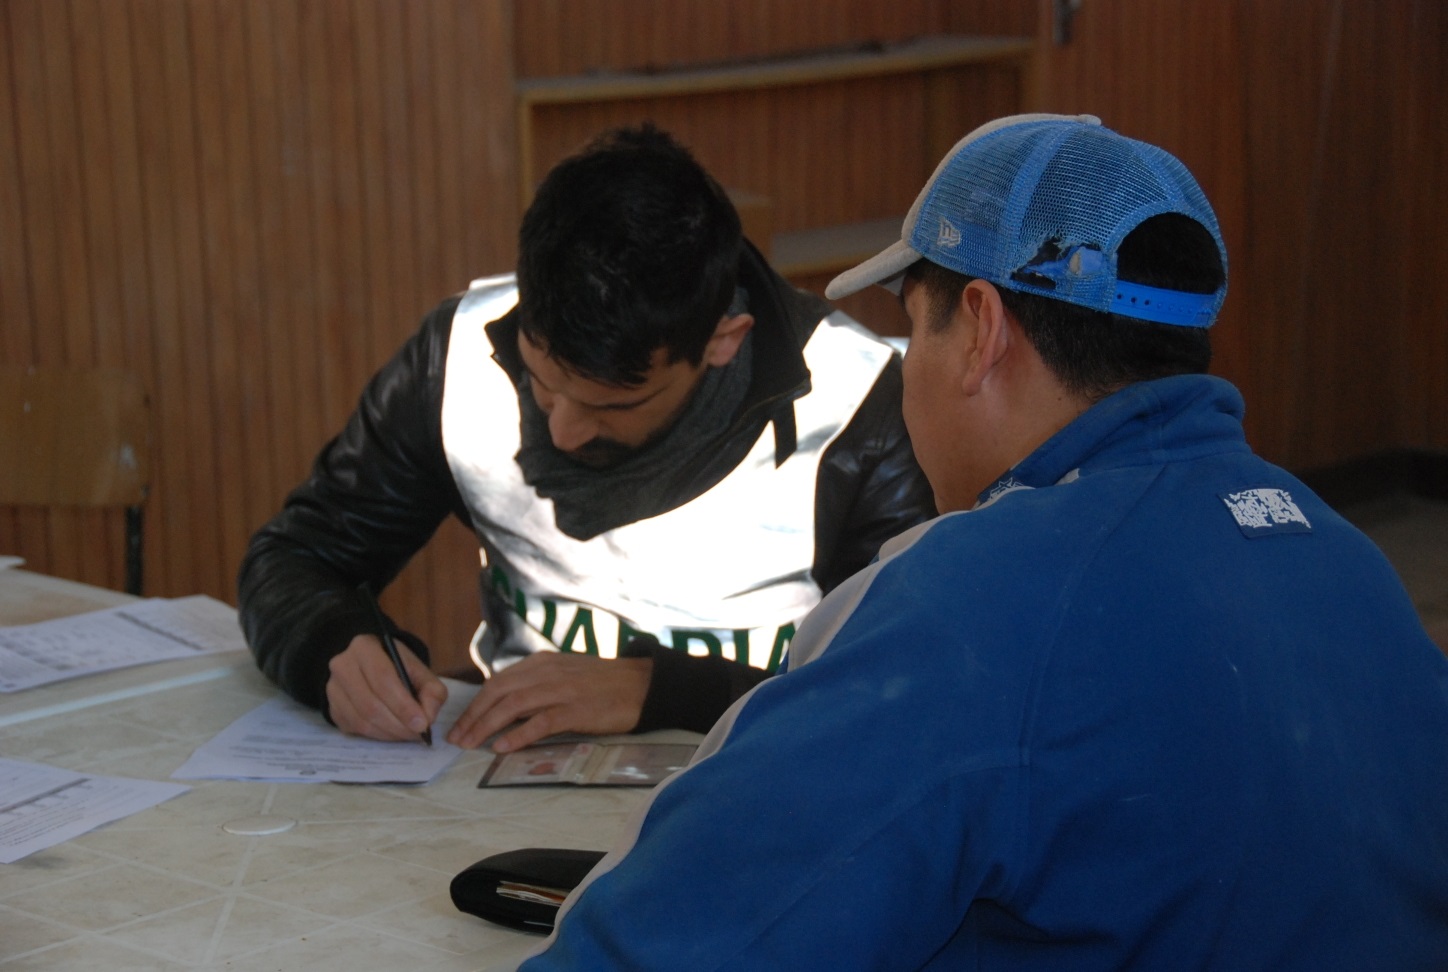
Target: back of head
[
  {"x": 627, "y": 247},
  {"x": 1104, "y": 248}
]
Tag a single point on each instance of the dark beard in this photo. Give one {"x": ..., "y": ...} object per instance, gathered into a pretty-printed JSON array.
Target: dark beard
[{"x": 602, "y": 454}]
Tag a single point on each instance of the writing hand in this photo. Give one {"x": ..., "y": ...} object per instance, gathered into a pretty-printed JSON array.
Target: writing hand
[
  {"x": 553, "y": 693},
  {"x": 366, "y": 698}
]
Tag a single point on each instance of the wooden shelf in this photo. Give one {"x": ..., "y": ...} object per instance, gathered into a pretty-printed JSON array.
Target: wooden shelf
[
  {"x": 921, "y": 55},
  {"x": 830, "y": 249},
  {"x": 873, "y": 60},
  {"x": 943, "y": 103}
]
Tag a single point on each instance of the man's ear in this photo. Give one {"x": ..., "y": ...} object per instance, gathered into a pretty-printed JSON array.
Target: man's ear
[
  {"x": 991, "y": 334},
  {"x": 727, "y": 337}
]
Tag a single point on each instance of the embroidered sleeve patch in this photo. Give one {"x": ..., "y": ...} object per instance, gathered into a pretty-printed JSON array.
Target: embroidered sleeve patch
[{"x": 1260, "y": 512}]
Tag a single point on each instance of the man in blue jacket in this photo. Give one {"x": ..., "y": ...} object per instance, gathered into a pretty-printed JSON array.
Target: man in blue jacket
[{"x": 1136, "y": 700}]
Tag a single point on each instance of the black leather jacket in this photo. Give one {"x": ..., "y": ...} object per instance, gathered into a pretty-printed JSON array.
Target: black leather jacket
[{"x": 379, "y": 490}]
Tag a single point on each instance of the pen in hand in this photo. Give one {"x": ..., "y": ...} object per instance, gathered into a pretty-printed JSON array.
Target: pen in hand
[{"x": 391, "y": 648}]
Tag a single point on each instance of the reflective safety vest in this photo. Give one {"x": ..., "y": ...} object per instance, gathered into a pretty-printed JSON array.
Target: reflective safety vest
[{"x": 727, "y": 573}]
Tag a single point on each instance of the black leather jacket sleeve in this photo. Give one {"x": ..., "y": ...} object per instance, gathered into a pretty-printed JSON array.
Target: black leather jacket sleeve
[
  {"x": 376, "y": 494},
  {"x": 870, "y": 487},
  {"x": 379, "y": 490}
]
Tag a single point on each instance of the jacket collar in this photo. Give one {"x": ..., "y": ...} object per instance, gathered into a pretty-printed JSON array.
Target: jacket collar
[{"x": 1143, "y": 423}]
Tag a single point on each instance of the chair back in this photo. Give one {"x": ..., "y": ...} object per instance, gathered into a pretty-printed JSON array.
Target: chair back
[{"x": 76, "y": 437}]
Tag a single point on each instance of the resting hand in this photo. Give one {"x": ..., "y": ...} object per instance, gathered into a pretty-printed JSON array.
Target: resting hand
[
  {"x": 366, "y": 698},
  {"x": 553, "y": 693}
]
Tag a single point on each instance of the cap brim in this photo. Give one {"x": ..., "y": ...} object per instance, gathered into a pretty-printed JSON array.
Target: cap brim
[{"x": 880, "y": 268}]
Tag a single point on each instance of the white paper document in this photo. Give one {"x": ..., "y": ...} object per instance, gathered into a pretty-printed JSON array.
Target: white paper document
[
  {"x": 155, "y": 630},
  {"x": 284, "y": 741},
  {"x": 41, "y": 806}
]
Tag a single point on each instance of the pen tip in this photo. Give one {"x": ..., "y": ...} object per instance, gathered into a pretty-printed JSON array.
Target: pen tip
[{"x": 427, "y": 736}]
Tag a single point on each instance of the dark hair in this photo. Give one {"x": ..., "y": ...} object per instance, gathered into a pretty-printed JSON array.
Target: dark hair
[
  {"x": 1094, "y": 353},
  {"x": 629, "y": 246}
]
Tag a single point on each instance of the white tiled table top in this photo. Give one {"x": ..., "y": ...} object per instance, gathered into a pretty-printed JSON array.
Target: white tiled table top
[{"x": 361, "y": 881}]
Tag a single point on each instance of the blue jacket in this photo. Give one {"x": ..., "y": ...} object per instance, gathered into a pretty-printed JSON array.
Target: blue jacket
[{"x": 1151, "y": 705}]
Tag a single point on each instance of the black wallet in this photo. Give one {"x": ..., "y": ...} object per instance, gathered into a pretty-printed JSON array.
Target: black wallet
[{"x": 522, "y": 888}]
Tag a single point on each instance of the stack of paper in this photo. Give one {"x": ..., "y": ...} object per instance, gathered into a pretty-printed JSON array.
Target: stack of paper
[{"x": 159, "y": 629}]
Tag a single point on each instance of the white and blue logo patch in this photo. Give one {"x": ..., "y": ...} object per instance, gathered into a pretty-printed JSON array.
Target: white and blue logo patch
[
  {"x": 1263, "y": 512},
  {"x": 949, "y": 235}
]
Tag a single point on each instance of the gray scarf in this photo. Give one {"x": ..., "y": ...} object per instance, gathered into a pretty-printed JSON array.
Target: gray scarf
[{"x": 590, "y": 501}]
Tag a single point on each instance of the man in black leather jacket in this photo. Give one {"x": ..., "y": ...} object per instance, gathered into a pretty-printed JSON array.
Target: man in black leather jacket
[{"x": 601, "y": 426}]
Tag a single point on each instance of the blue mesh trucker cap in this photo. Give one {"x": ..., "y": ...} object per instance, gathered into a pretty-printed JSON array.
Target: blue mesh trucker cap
[{"x": 1039, "y": 204}]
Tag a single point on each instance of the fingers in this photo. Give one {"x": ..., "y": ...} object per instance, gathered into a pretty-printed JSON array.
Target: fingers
[
  {"x": 431, "y": 692},
  {"x": 365, "y": 696},
  {"x": 497, "y": 704},
  {"x": 526, "y": 733},
  {"x": 551, "y": 693}
]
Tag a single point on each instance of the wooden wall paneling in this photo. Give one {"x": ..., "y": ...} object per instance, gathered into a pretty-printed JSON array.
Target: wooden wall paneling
[
  {"x": 305, "y": 408},
  {"x": 331, "y": 197},
  {"x": 381, "y": 82},
  {"x": 272, "y": 162},
  {"x": 113, "y": 210},
  {"x": 78, "y": 216},
  {"x": 1283, "y": 60},
  {"x": 100, "y": 535},
  {"x": 827, "y": 151},
  {"x": 20, "y": 529},
  {"x": 1418, "y": 157},
  {"x": 955, "y": 104},
  {"x": 133, "y": 301},
  {"x": 722, "y": 130},
  {"x": 252, "y": 454},
  {"x": 1212, "y": 143},
  {"x": 16, "y": 330},
  {"x": 845, "y": 152},
  {"x": 11, "y": 333},
  {"x": 450, "y": 271},
  {"x": 411, "y": 596},
  {"x": 192, "y": 191},
  {"x": 40, "y": 107},
  {"x": 223, "y": 265},
  {"x": 167, "y": 553},
  {"x": 387, "y": 103},
  {"x": 39, "y": 243},
  {"x": 445, "y": 88},
  {"x": 1006, "y": 18},
  {"x": 484, "y": 52},
  {"x": 64, "y": 151},
  {"x": 490, "y": 196},
  {"x": 1320, "y": 109},
  {"x": 471, "y": 96},
  {"x": 1427, "y": 418},
  {"x": 422, "y": 38},
  {"x": 1345, "y": 249},
  {"x": 99, "y": 257},
  {"x": 477, "y": 215},
  {"x": 379, "y": 283},
  {"x": 425, "y": 151},
  {"x": 896, "y": 158},
  {"x": 565, "y": 37},
  {"x": 354, "y": 317},
  {"x": 175, "y": 90},
  {"x": 1172, "y": 75}
]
